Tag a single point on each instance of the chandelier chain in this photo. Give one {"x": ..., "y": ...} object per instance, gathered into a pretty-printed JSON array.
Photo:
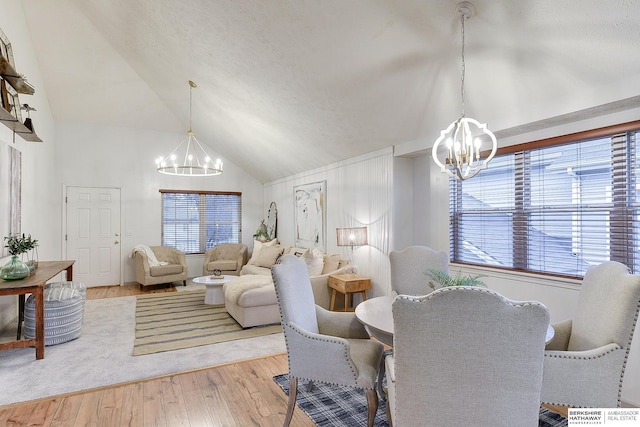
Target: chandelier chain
[
  {"x": 191, "y": 86},
  {"x": 462, "y": 18}
]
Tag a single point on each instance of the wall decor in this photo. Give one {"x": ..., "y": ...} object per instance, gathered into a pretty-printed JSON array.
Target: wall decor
[
  {"x": 310, "y": 215},
  {"x": 272, "y": 221},
  {"x": 10, "y": 189},
  {"x": 13, "y": 83}
]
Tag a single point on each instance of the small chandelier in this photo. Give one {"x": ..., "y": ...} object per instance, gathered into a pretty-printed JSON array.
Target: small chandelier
[
  {"x": 462, "y": 140},
  {"x": 189, "y": 158}
]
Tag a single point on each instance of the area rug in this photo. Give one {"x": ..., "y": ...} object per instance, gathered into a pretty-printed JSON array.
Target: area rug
[
  {"x": 102, "y": 356},
  {"x": 177, "y": 320},
  {"x": 334, "y": 406}
]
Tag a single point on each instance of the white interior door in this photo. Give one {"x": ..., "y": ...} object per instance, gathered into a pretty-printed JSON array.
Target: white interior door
[{"x": 93, "y": 234}]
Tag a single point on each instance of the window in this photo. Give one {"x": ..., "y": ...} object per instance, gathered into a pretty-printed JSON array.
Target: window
[
  {"x": 195, "y": 221},
  {"x": 555, "y": 206}
]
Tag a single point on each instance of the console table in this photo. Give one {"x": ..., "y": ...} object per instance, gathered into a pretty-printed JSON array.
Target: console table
[{"x": 34, "y": 285}]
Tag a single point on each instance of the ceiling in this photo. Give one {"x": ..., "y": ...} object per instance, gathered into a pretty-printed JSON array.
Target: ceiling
[{"x": 287, "y": 86}]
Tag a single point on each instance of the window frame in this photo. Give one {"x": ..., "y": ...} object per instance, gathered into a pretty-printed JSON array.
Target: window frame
[
  {"x": 621, "y": 192},
  {"x": 201, "y": 222}
]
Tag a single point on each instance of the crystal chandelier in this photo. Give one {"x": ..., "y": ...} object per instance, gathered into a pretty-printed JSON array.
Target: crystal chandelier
[
  {"x": 458, "y": 149},
  {"x": 189, "y": 158}
]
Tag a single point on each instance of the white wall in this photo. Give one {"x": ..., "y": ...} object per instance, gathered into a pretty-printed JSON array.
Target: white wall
[
  {"x": 101, "y": 156},
  {"x": 40, "y": 201},
  {"x": 403, "y": 194},
  {"x": 359, "y": 193}
]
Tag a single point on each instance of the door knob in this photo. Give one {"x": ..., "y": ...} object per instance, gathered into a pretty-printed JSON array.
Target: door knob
[{"x": 116, "y": 242}]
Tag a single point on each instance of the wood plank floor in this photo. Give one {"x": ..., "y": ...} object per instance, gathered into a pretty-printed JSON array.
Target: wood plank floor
[{"x": 235, "y": 394}]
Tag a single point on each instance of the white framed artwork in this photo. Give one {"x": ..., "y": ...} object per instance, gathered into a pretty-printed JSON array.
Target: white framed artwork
[
  {"x": 10, "y": 189},
  {"x": 309, "y": 215}
]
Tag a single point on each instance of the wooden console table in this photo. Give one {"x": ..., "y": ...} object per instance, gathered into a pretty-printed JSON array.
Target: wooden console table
[{"x": 34, "y": 285}]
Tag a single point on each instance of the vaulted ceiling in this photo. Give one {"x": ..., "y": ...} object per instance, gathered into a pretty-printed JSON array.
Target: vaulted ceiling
[{"x": 286, "y": 86}]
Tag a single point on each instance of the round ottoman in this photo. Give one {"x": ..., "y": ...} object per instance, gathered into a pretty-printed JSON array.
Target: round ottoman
[
  {"x": 78, "y": 286},
  {"x": 63, "y": 314}
]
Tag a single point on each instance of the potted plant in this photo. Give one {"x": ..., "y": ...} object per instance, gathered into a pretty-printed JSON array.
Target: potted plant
[
  {"x": 445, "y": 279},
  {"x": 261, "y": 233},
  {"x": 18, "y": 244},
  {"x": 30, "y": 251}
]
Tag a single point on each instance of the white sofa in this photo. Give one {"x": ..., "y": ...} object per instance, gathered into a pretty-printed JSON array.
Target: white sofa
[{"x": 251, "y": 299}]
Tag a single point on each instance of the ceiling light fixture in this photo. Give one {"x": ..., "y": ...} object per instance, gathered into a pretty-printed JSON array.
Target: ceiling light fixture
[
  {"x": 189, "y": 158},
  {"x": 459, "y": 144}
]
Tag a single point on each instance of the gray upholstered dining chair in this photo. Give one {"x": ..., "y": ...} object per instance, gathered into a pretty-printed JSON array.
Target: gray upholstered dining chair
[
  {"x": 409, "y": 269},
  {"x": 465, "y": 356},
  {"x": 585, "y": 361},
  {"x": 322, "y": 346}
]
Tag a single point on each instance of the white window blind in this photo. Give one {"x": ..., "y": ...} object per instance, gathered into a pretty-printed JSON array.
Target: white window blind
[
  {"x": 552, "y": 208},
  {"x": 196, "y": 221}
]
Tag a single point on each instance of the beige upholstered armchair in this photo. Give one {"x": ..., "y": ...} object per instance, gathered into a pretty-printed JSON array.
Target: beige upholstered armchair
[
  {"x": 584, "y": 363},
  {"x": 226, "y": 257},
  {"x": 409, "y": 269},
  {"x": 465, "y": 356},
  {"x": 169, "y": 265},
  {"x": 322, "y": 346}
]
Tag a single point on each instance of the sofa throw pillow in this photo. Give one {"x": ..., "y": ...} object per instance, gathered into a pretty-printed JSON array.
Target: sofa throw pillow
[
  {"x": 268, "y": 256},
  {"x": 331, "y": 263},
  {"x": 296, "y": 251},
  {"x": 257, "y": 246},
  {"x": 315, "y": 261}
]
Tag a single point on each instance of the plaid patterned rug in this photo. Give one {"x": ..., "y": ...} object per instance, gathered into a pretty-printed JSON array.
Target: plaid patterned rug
[{"x": 332, "y": 406}]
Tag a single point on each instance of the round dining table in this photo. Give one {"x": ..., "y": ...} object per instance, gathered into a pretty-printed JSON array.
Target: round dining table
[{"x": 376, "y": 315}]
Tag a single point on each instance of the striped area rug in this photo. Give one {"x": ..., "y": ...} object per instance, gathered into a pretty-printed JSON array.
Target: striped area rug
[{"x": 175, "y": 320}]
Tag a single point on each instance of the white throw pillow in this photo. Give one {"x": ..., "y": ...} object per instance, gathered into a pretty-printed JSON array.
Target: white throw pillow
[
  {"x": 315, "y": 261},
  {"x": 296, "y": 251},
  {"x": 268, "y": 256},
  {"x": 331, "y": 263},
  {"x": 257, "y": 245}
]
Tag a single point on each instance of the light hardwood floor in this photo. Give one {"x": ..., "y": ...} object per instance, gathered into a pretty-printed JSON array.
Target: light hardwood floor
[{"x": 235, "y": 394}]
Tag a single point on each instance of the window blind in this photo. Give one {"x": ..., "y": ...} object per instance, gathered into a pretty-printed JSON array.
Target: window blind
[
  {"x": 552, "y": 208},
  {"x": 194, "y": 222}
]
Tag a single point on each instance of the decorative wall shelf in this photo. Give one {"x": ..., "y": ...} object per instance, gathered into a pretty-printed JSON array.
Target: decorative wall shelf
[
  {"x": 12, "y": 77},
  {"x": 12, "y": 123},
  {"x": 9, "y": 100}
]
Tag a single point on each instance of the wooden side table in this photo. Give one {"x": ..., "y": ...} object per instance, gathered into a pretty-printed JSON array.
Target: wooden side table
[{"x": 348, "y": 284}]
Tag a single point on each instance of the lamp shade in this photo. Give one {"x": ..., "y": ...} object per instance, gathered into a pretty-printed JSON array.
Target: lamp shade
[{"x": 353, "y": 236}]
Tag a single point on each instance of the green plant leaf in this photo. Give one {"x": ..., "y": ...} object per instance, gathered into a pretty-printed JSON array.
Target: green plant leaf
[{"x": 446, "y": 280}]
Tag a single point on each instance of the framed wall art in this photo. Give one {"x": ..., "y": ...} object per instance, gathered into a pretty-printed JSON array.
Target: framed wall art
[
  {"x": 10, "y": 189},
  {"x": 310, "y": 215}
]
